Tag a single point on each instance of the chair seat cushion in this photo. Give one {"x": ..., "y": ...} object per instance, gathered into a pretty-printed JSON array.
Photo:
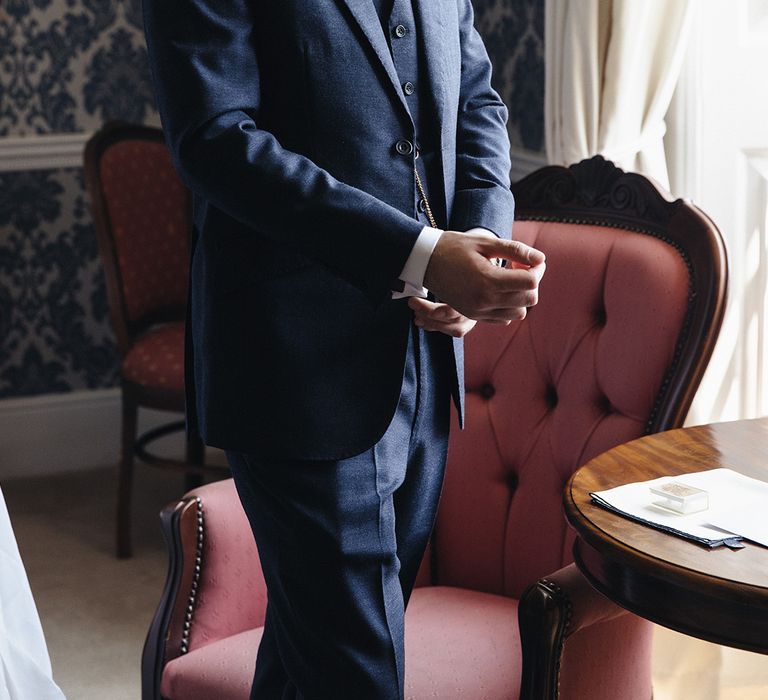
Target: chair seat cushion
[
  {"x": 222, "y": 670},
  {"x": 156, "y": 359},
  {"x": 459, "y": 645}
]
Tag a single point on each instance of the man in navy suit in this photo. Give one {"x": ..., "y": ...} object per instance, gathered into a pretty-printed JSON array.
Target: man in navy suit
[{"x": 346, "y": 158}]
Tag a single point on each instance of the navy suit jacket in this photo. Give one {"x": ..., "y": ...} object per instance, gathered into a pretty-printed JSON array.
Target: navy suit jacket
[{"x": 282, "y": 117}]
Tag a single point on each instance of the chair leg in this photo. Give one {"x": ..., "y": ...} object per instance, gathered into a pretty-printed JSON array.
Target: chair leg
[
  {"x": 125, "y": 476},
  {"x": 195, "y": 456}
]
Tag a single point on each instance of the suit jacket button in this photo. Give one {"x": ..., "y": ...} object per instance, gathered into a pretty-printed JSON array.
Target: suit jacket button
[
  {"x": 400, "y": 31},
  {"x": 404, "y": 147}
]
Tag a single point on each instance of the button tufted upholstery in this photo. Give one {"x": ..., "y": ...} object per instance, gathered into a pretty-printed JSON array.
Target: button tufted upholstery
[
  {"x": 150, "y": 220},
  {"x": 629, "y": 311},
  {"x": 581, "y": 374}
]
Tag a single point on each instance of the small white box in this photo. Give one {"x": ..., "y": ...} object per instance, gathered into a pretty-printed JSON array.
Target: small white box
[{"x": 680, "y": 498}]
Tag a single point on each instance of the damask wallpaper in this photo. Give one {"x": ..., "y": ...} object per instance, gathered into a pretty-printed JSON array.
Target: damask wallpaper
[
  {"x": 68, "y": 66},
  {"x": 65, "y": 66},
  {"x": 513, "y": 31},
  {"x": 54, "y": 319}
]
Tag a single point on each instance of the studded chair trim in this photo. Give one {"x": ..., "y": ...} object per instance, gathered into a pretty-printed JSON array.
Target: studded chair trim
[{"x": 183, "y": 528}]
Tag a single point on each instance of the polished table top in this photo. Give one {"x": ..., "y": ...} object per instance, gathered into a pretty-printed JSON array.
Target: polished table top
[{"x": 716, "y": 594}]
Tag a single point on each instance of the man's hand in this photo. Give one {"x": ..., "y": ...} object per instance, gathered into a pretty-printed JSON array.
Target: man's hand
[
  {"x": 440, "y": 317},
  {"x": 461, "y": 274}
]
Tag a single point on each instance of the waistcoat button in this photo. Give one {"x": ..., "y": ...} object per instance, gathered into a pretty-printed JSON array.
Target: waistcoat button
[
  {"x": 404, "y": 147},
  {"x": 400, "y": 31},
  {"x": 408, "y": 88}
]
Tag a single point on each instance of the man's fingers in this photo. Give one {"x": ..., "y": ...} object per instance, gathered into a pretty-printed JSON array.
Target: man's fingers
[
  {"x": 457, "y": 329},
  {"x": 504, "y": 306},
  {"x": 513, "y": 298},
  {"x": 517, "y": 279},
  {"x": 432, "y": 316},
  {"x": 505, "y": 315},
  {"x": 514, "y": 251},
  {"x": 433, "y": 310},
  {"x": 460, "y": 271},
  {"x": 476, "y": 288}
]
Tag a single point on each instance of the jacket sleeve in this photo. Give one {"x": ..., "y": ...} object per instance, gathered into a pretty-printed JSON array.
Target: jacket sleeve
[
  {"x": 206, "y": 77},
  {"x": 483, "y": 197}
]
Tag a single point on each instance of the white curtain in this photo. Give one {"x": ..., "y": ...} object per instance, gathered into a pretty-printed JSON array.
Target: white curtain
[{"x": 611, "y": 70}]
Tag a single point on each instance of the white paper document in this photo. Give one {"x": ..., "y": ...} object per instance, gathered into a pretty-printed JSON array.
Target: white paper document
[{"x": 738, "y": 506}]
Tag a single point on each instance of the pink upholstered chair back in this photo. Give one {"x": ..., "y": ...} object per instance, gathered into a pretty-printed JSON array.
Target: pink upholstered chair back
[{"x": 605, "y": 357}]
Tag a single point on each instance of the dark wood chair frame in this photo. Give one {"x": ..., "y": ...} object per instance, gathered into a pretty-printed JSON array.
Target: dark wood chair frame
[
  {"x": 593, "y": 192},
  {"x": 127, "y": 331}
]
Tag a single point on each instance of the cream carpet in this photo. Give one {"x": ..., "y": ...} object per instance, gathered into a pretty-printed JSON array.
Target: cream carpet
[{"x": 95, "y": 609}]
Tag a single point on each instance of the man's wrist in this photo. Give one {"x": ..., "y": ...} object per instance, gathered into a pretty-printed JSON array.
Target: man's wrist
[
  {"x": 416, "y": 265},
  {"x": 412, "y": 274}
]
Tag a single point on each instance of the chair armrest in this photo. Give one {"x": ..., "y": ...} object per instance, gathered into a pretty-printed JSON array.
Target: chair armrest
[
  {"x": 214, "y": 587},
  {"x": 587, "y": 605},
  {"x": 550, "y": 611},
  {"x": 178, "y": 522}
]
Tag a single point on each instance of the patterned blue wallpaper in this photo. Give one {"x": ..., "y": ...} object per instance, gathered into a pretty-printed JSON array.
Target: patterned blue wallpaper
[
  {"x": 54, "y": 318},
  {"x": 65, "y": 66},
  {"x": 70, "y": 65},
  {"x": 513, "y": 31}
]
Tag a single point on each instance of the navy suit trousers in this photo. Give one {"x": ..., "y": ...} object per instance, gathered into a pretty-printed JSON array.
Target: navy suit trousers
[{"x": 341, "y": 542}]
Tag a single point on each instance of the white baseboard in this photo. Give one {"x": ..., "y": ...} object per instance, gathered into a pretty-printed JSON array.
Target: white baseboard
[
  {"x": 79, "y": 430},
  {"x": 525, "y": 162}
]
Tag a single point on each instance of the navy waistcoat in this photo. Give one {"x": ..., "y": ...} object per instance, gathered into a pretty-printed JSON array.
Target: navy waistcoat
[{"x": 405, "y": 43}]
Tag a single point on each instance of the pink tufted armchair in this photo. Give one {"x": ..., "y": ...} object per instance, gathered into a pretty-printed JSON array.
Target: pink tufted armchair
[{"x": 630, "y": 309}]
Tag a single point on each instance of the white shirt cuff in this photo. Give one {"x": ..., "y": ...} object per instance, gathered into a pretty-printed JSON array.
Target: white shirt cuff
[{"x": 412, "y": 274}]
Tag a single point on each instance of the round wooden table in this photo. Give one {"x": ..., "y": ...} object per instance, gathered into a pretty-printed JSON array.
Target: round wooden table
[{"x": 720, "y": 595}]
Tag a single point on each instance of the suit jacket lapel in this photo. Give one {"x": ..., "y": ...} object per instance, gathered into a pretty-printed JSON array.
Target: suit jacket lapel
[{"x": 365, "y": 15}]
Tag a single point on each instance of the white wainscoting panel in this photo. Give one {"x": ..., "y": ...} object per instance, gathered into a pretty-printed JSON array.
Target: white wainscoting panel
[
  {"x": 56, "y": 433},
  {"x": 42, "y": 152}
]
